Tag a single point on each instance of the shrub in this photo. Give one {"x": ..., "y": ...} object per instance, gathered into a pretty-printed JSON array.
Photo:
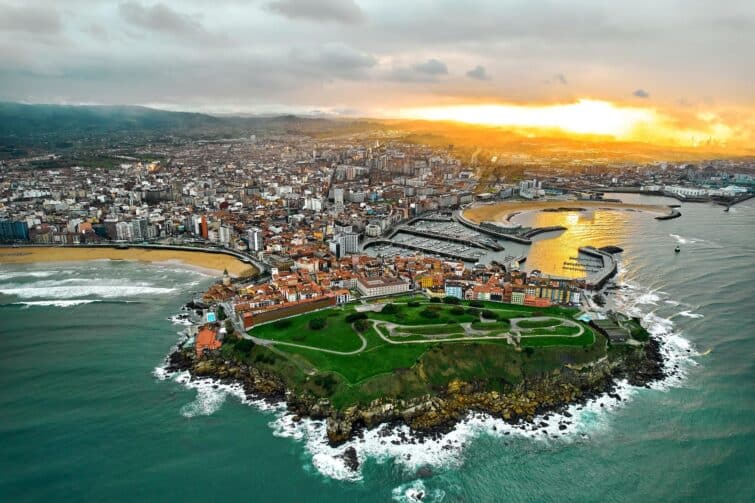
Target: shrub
[
  {"x": 529, "y": 351},
  {"x": 476, "y": 303},
  {"x": 430, "y": 314},
  {"x": 390, "y": 309},
  {"x": 317, "y": 323},
  {"x": 361, "y": 326},
  {"x": 489, "y": 315},
  {"x": 451, "y": 300},
  {"x": 435, "y": 300},
  {"x": 413, "y": 303},
  {"x": 355, "y": 317},
  {"x": 457, "y": 310},
  {"x": 229, "y": 329},
  {"x": 244, "y": 345},
  {"x": 284, "y": 323}
]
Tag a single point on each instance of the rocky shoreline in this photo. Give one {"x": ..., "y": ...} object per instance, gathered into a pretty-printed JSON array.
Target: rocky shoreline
[{"x": 431, "y": 416}]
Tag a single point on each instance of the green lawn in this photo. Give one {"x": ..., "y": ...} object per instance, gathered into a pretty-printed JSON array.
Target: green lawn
[
  {"x": 491, "y": 325},
  {"x": 450, "y": 328},
  {"x": 638, "y": 331},
  {"x": 559, "y": 330},
  {"x": 363, "y": 375},
  {"x": 337, "y": 334},
  {"x": 539, "y": 323},
  {"x": 586, "y": 339},
  {"x": 379, "y": 357},
  {"x": 407, "y": 315}
]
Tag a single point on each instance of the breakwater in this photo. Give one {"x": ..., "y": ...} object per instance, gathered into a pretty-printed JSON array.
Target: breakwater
[{"x": 459, "y": 217}]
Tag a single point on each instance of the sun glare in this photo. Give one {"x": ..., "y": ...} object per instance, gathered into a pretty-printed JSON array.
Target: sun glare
[{"x": 583, "y": 117}]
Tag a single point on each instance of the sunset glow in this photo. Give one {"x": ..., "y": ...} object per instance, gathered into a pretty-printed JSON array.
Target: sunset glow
[{"x": 583, "y": 117}]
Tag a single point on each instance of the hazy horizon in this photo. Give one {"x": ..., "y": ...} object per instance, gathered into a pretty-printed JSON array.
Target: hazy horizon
[{"x": 674, "y": 72}]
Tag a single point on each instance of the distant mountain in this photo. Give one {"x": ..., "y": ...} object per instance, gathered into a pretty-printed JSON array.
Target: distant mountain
[
  {"x": 35, "y": 124},
  {"x": 38, "y": 120}
]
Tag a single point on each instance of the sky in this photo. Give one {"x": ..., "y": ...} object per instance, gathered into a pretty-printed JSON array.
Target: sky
[{"x": 690, "y": 62}]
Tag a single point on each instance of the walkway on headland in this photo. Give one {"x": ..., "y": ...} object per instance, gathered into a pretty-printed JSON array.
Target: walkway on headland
[{"x": 472, "y": 335}]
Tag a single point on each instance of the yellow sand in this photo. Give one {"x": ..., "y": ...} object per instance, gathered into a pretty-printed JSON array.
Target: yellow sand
[
  {"x": 499, "y": 211},
  {"x": 215, "y": 262}
]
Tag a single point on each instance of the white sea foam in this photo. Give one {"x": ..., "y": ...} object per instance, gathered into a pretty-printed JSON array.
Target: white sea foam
[
  {"x": 415, "y": 491},
  {"x": 180, "y": 319},
  {"x": 90, "y": 290},
  {"x": 29, "y": 274},
  {"x": 648, "y": 298},
  {"x": 57, "y": 303},
  {"x": 690, "y": 314}
]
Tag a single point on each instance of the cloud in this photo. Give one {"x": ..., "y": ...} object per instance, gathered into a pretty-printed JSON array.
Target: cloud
[
  {"x": 478, "y": 73},
  {"x": 339, "y": 11},
  {"x": 641, "y": 93},
  {"x": 30, "y": 19},
  {"x": 431, "y": 67},
  {"x": 160, "y": 18},
  {"x": 336, "y": 60}
]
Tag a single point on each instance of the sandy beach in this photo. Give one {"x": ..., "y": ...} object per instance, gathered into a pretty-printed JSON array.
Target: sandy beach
[
  {"x": 212, "y": 262},
  {"x": 501, "y": 211}
]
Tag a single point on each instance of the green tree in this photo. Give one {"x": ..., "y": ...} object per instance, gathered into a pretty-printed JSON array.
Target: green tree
[
  {"x": 361, "y": 326},
  {"x": 317, "y": 323},
  {"x": 390, "y": 309},
  {"x": 229, "y": 329},
  {"x": 457, "y": 310}
]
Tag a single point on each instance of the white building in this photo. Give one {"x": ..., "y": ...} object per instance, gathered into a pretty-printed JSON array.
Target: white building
[
  {"x": 256, "y": 239},
  {"x": 224, "y": 235},
  {"x": 123, "y": 231},
  {"x": 349, "y": 242},
  {"x": 371, "y": 287},
  {"x": 338, "y": 196}
]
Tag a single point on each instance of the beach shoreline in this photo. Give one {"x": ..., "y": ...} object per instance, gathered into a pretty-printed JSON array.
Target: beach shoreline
[{"x": 212, "y": 263}]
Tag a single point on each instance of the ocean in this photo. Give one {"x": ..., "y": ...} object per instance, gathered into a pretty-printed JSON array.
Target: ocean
[{"x": 86, "y": 413}]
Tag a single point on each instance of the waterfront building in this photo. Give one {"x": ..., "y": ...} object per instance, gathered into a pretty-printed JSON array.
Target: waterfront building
[{"x": 14, "y": 230}]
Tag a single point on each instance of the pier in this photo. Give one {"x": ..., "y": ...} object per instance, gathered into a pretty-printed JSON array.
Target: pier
[
  {"x": 597, "y": 278},
  {"x": 459, "y": 217}
]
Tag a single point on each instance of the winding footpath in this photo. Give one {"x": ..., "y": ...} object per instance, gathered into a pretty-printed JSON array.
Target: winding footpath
[{"x": 472, "y": 335}]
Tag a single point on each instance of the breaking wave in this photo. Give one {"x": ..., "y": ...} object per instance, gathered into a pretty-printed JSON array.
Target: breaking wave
[
  {"x": 57, "y": 303},
  {"x": 73, "y": 291}
]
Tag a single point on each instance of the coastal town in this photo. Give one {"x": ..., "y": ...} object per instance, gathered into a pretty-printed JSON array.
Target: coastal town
[{"x": 322, "y": 223}]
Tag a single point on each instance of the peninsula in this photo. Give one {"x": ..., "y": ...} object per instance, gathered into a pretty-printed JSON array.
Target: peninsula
[{"x": 418, "y": 359}]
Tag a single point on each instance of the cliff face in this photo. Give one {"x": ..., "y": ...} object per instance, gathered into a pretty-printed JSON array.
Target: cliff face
[{"x": 434, "y": 414}]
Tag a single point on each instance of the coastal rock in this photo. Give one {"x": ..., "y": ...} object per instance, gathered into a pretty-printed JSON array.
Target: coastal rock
[
  {"x": 350, "y": 458},
  {"x": 338, "y": 430},
  {"x": 432, "y": 415}
]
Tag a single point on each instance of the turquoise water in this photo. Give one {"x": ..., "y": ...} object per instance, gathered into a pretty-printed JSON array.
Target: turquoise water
[{"x": 84, "y": 416}]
